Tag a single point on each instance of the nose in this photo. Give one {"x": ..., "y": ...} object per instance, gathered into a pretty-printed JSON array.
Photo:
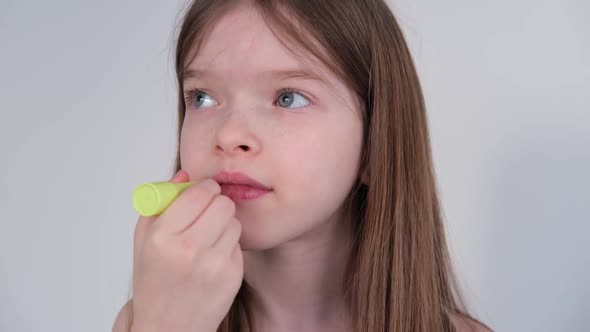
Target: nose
[{"x": 235, "y": 137}]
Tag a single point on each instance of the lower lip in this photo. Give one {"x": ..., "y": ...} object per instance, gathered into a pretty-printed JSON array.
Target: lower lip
[{"x": 239, "y": 192}]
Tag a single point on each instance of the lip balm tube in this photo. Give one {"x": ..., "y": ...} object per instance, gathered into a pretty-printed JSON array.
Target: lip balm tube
[{"x": 152, "y": 198}]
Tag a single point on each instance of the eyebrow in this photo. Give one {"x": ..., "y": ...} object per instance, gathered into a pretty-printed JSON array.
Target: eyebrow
[{"x": 276, "y": 74}]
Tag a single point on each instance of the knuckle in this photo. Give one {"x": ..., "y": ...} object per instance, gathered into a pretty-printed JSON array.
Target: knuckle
[
  {"x": 187, "y": 245},
  {"x": 189, "y": 248},
  {"x": 155, "y": 242}
]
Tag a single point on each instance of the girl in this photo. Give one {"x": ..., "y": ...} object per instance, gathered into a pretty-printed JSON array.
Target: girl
[{"x": 315, "y": 208}]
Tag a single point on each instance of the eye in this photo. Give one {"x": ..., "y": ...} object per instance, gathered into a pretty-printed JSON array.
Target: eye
[
  {"x": 199, "y": 99},
  {"x": 289, "y": 97}
]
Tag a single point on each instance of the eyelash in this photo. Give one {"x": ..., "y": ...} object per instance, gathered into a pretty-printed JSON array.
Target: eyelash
[{"x": 188, "y": 95}]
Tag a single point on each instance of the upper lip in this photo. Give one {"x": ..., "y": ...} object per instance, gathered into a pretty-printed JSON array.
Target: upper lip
[{"x": 224, "y": 177}]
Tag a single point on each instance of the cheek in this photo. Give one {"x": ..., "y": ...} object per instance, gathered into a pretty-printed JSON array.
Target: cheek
[
  {"x": 324, "y": 162},
  {"x": 302, "y": 159},
  {"x": 186, "y": 144},
  {"x": 193, "y": 143}
]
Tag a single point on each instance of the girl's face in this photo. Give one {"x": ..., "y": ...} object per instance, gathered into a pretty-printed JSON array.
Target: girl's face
[{"x": 304, "y": 142}]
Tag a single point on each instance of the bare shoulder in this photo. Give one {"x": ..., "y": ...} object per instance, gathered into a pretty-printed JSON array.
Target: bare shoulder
[
  {"x": 123, "y": 321},
  {"x": 465, "y": 323}
]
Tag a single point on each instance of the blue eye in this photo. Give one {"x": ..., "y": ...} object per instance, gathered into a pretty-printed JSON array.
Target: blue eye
[
  {"x": 199, "y": 99},
  {"x": 288, "y": 97}
]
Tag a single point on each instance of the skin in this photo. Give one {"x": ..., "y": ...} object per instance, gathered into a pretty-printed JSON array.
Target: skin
[
  {"x": 307, "y": 150},
  {"x": 293, "y": 239}
]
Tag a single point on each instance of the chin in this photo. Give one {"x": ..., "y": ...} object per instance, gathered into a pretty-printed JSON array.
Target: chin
[
  {"x": 255, "y": 244},
  {"x": 257, "y": 240}
]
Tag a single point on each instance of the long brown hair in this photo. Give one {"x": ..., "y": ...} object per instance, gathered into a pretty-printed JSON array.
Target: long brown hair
[{"x": 399, "y": 274}]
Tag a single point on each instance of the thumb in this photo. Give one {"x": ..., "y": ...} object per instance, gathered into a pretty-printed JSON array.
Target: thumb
[{"x": 180, "y": 176}]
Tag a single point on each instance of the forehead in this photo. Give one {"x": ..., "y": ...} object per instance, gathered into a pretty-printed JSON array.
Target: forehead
[
  {"x": 242, "y": 49},
  {"x": 241, "y": 43}
]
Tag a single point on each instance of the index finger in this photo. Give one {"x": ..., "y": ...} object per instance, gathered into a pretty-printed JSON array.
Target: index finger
[
  {"x": 187, "y": 207},
  {"x": 144, "y": 223}
]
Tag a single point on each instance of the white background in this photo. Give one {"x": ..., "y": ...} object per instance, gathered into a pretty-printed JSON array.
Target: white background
[{"x": 88, "y": 111}]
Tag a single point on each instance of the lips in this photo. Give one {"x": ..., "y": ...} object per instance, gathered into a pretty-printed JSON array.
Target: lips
[
  {"x": 238, "y": 186},
  {"x": 238, "y": 179}
]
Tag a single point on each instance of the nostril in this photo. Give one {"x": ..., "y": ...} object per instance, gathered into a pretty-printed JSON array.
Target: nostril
[{"x": 245, "y": 147}]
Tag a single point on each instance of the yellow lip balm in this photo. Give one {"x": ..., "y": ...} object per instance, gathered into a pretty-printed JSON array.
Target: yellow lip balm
[{"x": 152, "y": 198}]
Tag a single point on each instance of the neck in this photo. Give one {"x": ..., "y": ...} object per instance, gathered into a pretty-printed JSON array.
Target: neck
[{"x": 297, "y": 286}]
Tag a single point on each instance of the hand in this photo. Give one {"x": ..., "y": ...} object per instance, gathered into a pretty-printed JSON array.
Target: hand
[{"x": 188, "y": 264}]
